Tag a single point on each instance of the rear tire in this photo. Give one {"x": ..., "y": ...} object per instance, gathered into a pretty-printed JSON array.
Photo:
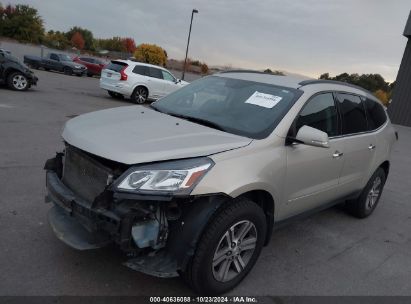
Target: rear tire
[
  {"x": 369, "y": 197},
  {"x": 140, "y": 95},
  {"x": 17, "y": 81},
  {"x": 218, "y": 266}
]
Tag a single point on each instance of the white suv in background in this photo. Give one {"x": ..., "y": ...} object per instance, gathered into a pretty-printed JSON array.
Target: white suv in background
[{"x": 139, "y": 81}]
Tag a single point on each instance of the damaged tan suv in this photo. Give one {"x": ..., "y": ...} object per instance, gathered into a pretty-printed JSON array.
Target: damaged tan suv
[{"x": 194, "y": 185}]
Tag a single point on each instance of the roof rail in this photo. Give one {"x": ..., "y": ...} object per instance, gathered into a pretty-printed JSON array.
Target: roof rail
[
  {"x": 247, "y": 71},
  {"x": 316, "y": 81}
]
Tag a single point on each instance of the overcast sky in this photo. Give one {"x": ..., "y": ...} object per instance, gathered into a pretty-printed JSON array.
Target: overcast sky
[{"x": 309, "y": 37}]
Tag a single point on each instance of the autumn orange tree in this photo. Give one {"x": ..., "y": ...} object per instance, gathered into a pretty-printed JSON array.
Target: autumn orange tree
[
  {"x": 383, "y": 96},
  {"x": 150, "y": 53},
  {"x": 77, "y": 41}
]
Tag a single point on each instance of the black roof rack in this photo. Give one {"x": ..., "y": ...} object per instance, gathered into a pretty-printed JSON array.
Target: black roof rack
[
  {"x": 316, "y": 81},
  {"x": 247, "y": 71}
]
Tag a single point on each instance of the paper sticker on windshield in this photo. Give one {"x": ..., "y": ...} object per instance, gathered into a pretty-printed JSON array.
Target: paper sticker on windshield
[{"x": 263, "y": 100}]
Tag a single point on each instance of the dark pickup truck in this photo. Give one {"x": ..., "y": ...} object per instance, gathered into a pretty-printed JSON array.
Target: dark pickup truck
[{"x": 56, "y": 62}]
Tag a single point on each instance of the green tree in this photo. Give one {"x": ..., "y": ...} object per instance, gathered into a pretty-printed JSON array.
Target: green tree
[
  {"x": 372, "y": 82},
  {"x": 325, "y": 76},
  {"x": 150, "y": 53},
  {"x": 21, "y": 22},
  {"x": 56, "y": 39},
  {"x": 276, "y": 72},
  {"x": 111, "y": 44},
  {"x": 85, "y": 33}
]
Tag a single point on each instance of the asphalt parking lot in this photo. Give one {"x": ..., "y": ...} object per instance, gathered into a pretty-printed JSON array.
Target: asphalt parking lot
[{"x": 330, "y": 253}]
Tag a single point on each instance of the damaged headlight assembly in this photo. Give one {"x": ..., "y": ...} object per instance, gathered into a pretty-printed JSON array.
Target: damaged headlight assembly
[{"x": 169, "y": 178}]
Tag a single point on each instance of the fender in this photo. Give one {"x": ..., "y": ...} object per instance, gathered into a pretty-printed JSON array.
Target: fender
[
  {"x": 186, "y": 232},
  {"x": 184, "y": 235},
  {"x": 11, "y": 66}
]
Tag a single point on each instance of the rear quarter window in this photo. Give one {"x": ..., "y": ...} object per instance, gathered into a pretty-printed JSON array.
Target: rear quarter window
[
  {"x": 375, "y": 113},
  {"x": 116, "y": 66}
]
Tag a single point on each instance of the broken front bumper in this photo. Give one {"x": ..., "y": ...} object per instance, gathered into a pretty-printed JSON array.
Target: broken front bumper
[
  {"x": 110, "y": 218},
  {"x": 72, "y": 218}
]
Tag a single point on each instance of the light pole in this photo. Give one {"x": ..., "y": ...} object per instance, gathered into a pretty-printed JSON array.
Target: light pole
[{"x": 188, "y": 42}]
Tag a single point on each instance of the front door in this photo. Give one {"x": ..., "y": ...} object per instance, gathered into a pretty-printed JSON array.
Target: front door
[
  {"x": 169, "y": 83},
  {"x": 313, "y": 172}
]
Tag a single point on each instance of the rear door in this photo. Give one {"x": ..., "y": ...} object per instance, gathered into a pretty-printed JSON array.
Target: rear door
[
  {"x": 313, "y": 172},
  {"x": 359, "y": 143}
]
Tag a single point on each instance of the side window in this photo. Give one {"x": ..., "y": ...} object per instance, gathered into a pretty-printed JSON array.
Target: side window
[
  {"x": 353, "y": 114},
  {"x": 320, "y": 113},
  {"x": 141, "y": 70},
  {"x": 376, "y": 115},
  {"x": 54, "y": 57},
  {"x": 156, "y": 73},
  {"x": 167, "y": 76}
]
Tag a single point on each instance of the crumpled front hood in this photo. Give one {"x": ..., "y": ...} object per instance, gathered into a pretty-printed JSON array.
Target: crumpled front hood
[{"x": 136, "y": 134}]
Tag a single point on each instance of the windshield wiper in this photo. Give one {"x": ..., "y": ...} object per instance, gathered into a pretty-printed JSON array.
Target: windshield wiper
[{"x": 200, "y": 121}]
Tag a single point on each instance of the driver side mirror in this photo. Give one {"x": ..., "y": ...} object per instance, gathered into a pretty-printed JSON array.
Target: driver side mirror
[
  {"x": 177, "y": 80},
  {"x": 312, "y": 137}
]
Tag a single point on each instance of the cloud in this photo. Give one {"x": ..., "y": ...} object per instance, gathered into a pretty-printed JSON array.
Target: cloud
[{"x": 308, "y": 37}]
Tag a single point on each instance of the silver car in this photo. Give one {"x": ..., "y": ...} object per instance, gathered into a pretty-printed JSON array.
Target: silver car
[{"x": 194, "y": 185}]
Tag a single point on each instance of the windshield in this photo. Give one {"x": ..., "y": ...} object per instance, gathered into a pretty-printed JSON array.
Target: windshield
[
  {"x": 241, "y": 107},
  {"x": 64, "y": 57}
]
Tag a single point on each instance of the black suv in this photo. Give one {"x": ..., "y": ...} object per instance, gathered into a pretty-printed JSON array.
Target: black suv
[{"x": 15, "y": 74}]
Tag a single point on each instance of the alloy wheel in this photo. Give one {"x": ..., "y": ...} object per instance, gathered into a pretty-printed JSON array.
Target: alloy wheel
[
  {"x": 374, "y": 193},
  {"x": 141, "y": 95},
  {"x": 19, "y": 82},
  {"x": 234, "y": 251}
]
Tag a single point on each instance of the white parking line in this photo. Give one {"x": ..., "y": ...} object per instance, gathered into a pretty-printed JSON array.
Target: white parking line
[{"x": 2, "y": 105}]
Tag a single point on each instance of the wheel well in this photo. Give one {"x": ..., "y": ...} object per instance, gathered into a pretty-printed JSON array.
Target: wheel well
[
  {"x": 9, "y": 71},
  {"x": 386, "y": 167},
  {"x": 265, "y": 200},
  {"x": 141, "y": 86}
]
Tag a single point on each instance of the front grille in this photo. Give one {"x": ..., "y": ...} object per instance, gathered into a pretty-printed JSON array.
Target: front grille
[{"x": 86, "y": 177}]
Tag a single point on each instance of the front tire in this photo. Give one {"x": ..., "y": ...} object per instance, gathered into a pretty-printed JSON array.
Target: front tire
[
  {"x": 228, "y": 248},
  {"x": 18, "y": 82},
  {"x": 140, "y": 95},
  {"x": 369, "y": 197}
]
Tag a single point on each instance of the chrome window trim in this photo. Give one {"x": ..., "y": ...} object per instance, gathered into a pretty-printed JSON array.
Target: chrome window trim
[{"x": 360, "y": 133}]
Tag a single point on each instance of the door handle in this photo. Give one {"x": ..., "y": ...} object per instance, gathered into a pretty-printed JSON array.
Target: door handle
[
  {"x": 337, "y": 154},
  {"x": 371, "y": 147}
]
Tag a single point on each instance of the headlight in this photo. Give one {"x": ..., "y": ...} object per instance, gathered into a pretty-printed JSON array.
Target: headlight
[
  {"x": 77, "y": 66},
  {"x": 172, "y": 177}
]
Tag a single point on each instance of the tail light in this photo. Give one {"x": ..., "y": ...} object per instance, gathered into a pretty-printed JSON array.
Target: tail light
[{"x": 123, "y": 74}]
